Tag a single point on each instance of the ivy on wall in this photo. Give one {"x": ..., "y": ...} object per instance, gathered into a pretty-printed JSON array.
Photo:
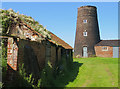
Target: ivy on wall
[{"x": 10, "y": 17}]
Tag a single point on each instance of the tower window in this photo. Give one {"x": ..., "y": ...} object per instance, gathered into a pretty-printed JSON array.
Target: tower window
[
  {"x": 84, "y": 21},
  {"x": 84, "y": 33}
]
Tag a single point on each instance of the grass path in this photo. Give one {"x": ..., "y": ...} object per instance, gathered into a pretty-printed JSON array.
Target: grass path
[{"x": 96, "y": 72}]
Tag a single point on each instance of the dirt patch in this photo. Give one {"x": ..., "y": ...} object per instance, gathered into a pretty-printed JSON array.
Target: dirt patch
[{"x": 110, "y": 74}]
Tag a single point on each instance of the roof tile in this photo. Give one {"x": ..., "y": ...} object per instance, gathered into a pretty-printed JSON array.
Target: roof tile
[
  {"x": 109, "y": 43},
  {"x": 60, "y": 41}
]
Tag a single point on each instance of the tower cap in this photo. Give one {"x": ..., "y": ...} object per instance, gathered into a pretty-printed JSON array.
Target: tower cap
[{"x": 88, "y": 6}]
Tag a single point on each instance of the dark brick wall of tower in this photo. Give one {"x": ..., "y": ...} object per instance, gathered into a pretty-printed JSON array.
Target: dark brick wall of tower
[{"x": 88, "y": 13}]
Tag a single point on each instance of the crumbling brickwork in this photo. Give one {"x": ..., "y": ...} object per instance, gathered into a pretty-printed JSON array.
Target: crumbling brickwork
[{"x": 12, "y": 53}]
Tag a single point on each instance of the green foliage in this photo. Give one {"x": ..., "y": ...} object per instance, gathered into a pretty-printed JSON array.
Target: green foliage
[
  {"x": 4, "y": 48},
  {"x": 54, "y": 76},
  {"x": 47, "y": 77},
  {"x": 93, "y": 56},
  {"x": 27, "y": 80},
  {"x": 1, "y": 85},
  {"x": 10, "y": 17},
  {"x": 4, "y": 58}
]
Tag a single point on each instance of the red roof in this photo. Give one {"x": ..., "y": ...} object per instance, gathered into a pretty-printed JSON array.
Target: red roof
[
  {"x": 59, "y": 41},
  {"x": 54, "y": 39}
]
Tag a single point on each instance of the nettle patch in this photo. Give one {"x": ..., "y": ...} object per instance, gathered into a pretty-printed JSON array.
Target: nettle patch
[{"x": 10, "y": 17}]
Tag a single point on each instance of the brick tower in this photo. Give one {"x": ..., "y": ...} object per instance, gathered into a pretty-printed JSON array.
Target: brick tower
[{"x": 87, "y": 32}]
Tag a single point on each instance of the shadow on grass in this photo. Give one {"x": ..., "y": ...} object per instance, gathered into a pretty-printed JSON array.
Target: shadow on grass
[
  {"x": 60, "y": 81},
  {"x": 68, "y": 76}
]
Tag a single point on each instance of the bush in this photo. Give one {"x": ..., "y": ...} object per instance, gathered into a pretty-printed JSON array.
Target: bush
[
  {"x": 27, "y": 81},
  {"x": 47, "y": 78},
  {"x": 1, "y": 85},
  {"x": 93, "y": 56},
  {"x": 3, "y": 62}
]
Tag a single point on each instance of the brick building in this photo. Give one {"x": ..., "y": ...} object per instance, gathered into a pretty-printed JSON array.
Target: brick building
[
  {"x": 25, "y": 47},
  {"x": 108, "y": 48},
  {"x": 87, "y": 40}
]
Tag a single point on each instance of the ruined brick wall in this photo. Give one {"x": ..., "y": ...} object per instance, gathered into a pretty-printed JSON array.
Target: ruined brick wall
[
  {"x": 53, "y": 55},
  {"x": 100, "y": 53},
  {"x": 48, "y": 52},
  {"x": 40, "y": 51},
  {"x": 59, "y": 54},
  {"x": 12, "y": 53},
  {"x": 35, "y": 55},
  {"x": 32, "y": 54},
  {"x": 69, "y": 56}
]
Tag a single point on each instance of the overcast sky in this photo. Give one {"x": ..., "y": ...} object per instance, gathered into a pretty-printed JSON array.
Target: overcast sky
[{"x": 61, "y": 17}]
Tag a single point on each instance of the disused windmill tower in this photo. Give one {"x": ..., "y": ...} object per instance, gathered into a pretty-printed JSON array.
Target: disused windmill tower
[{"x": 87, "y": 32}]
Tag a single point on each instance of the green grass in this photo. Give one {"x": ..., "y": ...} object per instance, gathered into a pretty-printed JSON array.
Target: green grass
[
  {"x": 86, "y": 72},
  {"x": 96, "y": 72}
]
